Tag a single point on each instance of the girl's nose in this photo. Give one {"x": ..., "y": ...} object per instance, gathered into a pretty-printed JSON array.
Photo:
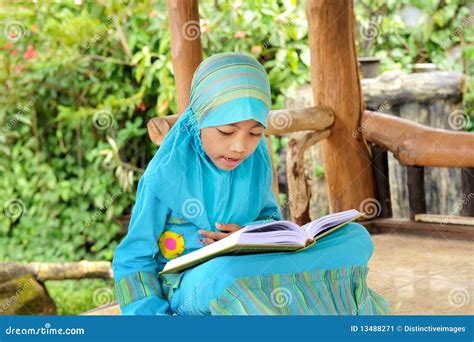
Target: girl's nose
[{"x": 237, "y": 147}]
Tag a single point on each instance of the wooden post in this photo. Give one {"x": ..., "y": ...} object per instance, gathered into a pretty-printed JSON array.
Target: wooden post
[
  {"x": 416, "y": 190},
  {"x": 275, "y": 189},
  {"x": 335, "y": 83},
  {"x": 382, "y": 181},
  {"x": 467, "y": 177},
  {"x": 299, "y": 192},
  {"x": 186, "y": 50}
]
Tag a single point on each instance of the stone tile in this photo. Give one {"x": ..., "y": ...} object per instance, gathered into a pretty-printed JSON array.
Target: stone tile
[
  {"x": 383, "y": 282},
  {"x": 423, "y": 275},
  {"x": 432, "y": 297},
  {"x": 463, "y": 273},
  {"x": 418, "y": 256}
]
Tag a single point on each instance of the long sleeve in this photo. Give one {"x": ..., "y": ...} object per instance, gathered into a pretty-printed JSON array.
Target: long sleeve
[
  {"x": 270, "y": 212},
  {"x": 134, "y": 264}
]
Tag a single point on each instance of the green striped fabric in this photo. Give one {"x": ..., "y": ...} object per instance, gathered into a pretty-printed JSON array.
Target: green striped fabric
[
  {"x": 136, "y": 286},
  {"x": 341, "y": 291},
  {"x": 175, "y": 220},
  {"x": 225, "y": 77}
]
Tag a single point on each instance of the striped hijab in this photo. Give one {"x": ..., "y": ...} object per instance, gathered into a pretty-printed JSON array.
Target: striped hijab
[{"x": 226, "y": 88}]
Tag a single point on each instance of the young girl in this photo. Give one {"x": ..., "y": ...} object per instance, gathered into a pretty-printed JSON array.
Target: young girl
[{"x": 211, "y": 176}]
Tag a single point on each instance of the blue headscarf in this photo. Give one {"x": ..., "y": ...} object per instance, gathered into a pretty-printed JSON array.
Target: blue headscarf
[{"x": 226, "y": 88}]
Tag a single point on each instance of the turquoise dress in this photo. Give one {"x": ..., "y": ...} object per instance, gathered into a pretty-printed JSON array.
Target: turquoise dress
[
  {"x": 328, "y": 278},
  {"x": 182, "y": 191}
]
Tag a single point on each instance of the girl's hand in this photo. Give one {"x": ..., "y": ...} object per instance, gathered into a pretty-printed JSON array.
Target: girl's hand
[{"x": 227, "y": 229}]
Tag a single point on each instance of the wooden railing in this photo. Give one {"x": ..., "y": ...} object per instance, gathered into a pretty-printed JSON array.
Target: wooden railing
[{"x": 416, "y": 146}]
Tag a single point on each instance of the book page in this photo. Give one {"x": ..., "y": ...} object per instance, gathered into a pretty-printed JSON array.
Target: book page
[
  {"x": 272, "y": 226},
  {"x": 284, "y": 237},
  {"x": 324, "y": 223}
]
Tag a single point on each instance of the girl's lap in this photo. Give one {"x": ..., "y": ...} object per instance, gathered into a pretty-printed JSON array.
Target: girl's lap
[{"x": 350, "y": 245}]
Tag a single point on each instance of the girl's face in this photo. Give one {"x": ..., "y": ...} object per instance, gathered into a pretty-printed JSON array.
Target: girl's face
[{"x": 227, "y": 146}]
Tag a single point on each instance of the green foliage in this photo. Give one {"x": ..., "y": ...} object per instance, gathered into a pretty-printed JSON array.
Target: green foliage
[
  {"x": 318, "y": 171},
  {"x": 78, "y": 84},
  {"x": 469, "y": 106},
  {"x": 73, "y": 138},
  {"x": 441, "y": 28},
  {"x": 73, "y": 297}
]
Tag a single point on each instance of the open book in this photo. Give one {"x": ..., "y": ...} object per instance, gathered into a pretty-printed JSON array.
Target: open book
[{"x": 276, "y": 236}]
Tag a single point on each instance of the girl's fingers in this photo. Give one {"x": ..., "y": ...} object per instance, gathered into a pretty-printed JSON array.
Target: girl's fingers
[
  {"x": 229, "y": 227},
  {"x": 213, "y": 235},
  {"x": 208, "y": 241}
]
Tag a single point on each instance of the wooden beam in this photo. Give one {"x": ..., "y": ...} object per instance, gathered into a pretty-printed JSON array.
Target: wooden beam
[
  {"x": 186, "y": 50},
  {"x": 445, "y": 219},
  {"x": 415, "y": 144},
  {"x": 284, "y": 121},
  {"x": 335, "y": 83},
  {"x": 399, "y": 225},
  {"x": 159, "y": 127},
  {"x": 70, "y": 270},
  {"x": 111, "y": 309},
  {"x": 280, "y": 122}
]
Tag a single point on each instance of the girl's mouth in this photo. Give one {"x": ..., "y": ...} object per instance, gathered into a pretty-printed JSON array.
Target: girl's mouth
[{"x": 231, "y": 162}]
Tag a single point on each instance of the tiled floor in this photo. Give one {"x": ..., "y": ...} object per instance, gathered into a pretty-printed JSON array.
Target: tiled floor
[{"x": 421, "y": 275}]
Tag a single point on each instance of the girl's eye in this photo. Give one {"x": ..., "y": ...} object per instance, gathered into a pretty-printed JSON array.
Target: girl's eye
[
  {"x": 256, "y": 134},
  {"x": 224, "y": 133}
]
